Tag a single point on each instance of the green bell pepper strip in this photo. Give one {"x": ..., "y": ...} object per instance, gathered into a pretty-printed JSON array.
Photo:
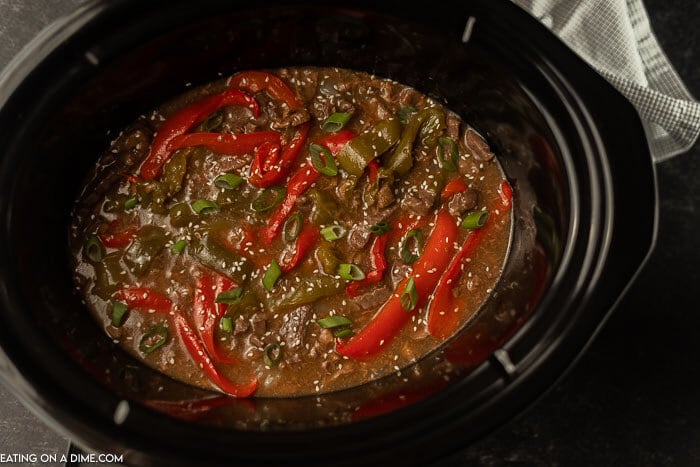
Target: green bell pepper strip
[
  {"x": 392, "y": 317},
  {"x": 314, "y": 288},
  {"x": 429, "y": 122},
  {"x": 361, "y": 150}
]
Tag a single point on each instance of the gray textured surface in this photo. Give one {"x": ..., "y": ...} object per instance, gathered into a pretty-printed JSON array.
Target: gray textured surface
[{"x": 632, "y": 399}]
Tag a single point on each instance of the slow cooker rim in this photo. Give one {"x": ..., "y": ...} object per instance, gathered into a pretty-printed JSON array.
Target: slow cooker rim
[{"x": 17, "y": 64}]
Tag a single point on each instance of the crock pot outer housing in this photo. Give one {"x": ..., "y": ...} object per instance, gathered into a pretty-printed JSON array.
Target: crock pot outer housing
[{"x": 572, "y": 147}]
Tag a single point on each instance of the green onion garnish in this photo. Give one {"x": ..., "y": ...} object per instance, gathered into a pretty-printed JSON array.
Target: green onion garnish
[
  {"x": 271, "y": 275},
  {"x": 333, "y": 232},
  {"x": 119, "y": 311},
  {"x": 226, "y": 324},
  {"x": 411, "y": 246},
  {"x": 343, "y": 333},
  {"x": 153, "y": 339},
  {"x": 380, "y": 228},
  {"x": 331, "y": 322},
  {"x": 131, "y": 202},
  {"x": 228, "y": 181},
  {"x": 272, "y": 354},
  {"x": 475, "y": 220},
  {"x": 292, "y": 227},
  {"x": 269, "y": 198},
  {"x": 204, "y": 206},
  {"x": 405, "y": 113},
  {"x": 230, "y": 297},
  {"x": 179, "y": 246},
  {"x": 351, "y": 272},
  {"x": 409, "y": 297},
  {"x": 94, "y": 249},
  {"x": 322, "y": 160},
  {"x": 447, "y": 145},
  {"x": 335, "y": 122}
]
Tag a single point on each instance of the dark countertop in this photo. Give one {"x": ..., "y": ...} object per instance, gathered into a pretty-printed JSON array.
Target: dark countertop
[{"x": 632, "y": 399}]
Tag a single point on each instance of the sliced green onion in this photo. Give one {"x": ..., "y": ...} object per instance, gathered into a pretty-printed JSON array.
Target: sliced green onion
[
  {"x": 331, "y": 322},
  {"x": 409, "y": 297},
  {"x": 179, "y": 246},
  {"x": 153, "y": 339},
  {"x": 343, "y": 333},
  {"x": 322, "y": 160},
  {"x": 226, "y": 324},
  {"x": 272, "y": 354},
  {"x": 131, "y": 202},
  {"x": 271, "y": 275},
  {"x": 230, "y": 297},
  {"x": 475, "y": 220},
  {"x": 204, "y": 206},
  {"x": 405, "y": 113},
  {"x": 228, "y": 181},
  {"x": 380, "y": 228},
  {"x": 119, "y": 311},
  {"x": 411, "y": 252},
  {"x": 335, "y": 122},
  {"x": 292, "y": 227},
  {"x": 269, "y": 198},
  {"x": 333, "y": 232},
  {"x": 94, "y": 249},
  {"x": 351, "y": 272},
  {"x": 447, "y": 145}
]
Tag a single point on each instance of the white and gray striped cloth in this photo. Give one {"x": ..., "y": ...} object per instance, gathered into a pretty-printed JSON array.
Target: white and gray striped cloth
[{"x": 615, "y": 37}]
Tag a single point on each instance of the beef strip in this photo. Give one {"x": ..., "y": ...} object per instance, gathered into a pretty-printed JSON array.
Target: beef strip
[
  {"x": 462, "y": 202},
  {"x": 477, "y": 145},
  {"x": 420, "y": 202},
  {"x": 374, "y": 297},
  {"x": 385, "y": 196},
  {"x": 293, "y": 331}
]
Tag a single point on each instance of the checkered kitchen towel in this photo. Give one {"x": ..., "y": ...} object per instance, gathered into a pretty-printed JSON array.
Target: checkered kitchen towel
[{"x": 614, "y": 36}]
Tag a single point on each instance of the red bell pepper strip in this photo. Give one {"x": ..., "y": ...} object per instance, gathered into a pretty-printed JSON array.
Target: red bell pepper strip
[
  {"x": 256, "y": 81},
  {"x": 300, "y": 181},
  {"x": 201, "y": 357},
  {"x": 263, "y": 173},
  {"x": 373, "y": 168},
  {"x": 392, "y": 317},
  {"x": 335, "y": 141},
  {"x": 225, "y": 143},
  {"x": 443, "y": 316},
  {"x": 206, "y": 312},
  {"x": 455, "y": 186},
  {"x": 183, "y": 120},
  {"x": 379, "y": 265},
  {"x": 144, "y": 298},
  {"x": 306, "y": 239},
  {"x": 115, "y": 238},
  {"x": 196, "y": 409}
]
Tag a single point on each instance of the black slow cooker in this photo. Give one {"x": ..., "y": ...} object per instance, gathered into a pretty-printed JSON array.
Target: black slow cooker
[{"x": 571, "y": 146}]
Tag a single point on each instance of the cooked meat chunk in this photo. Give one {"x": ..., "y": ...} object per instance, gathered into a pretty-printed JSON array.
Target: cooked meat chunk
[
  {"x": 453, "y": 127},
  {"x": 420, "y": 202},
  {"x": 294, "y": 324},
  {"x": 241, "y": 326},
  {"x": 374, "y": 297},
  {"x": 462, "y": 202},
  {"x": 258, "y": 323},
  {"x": 385, "y": 196},
  {"x": 477, "y": 145}
]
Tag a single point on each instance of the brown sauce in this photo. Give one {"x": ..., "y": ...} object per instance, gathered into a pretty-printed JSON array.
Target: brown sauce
[{"x": 138, "y": 240}]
